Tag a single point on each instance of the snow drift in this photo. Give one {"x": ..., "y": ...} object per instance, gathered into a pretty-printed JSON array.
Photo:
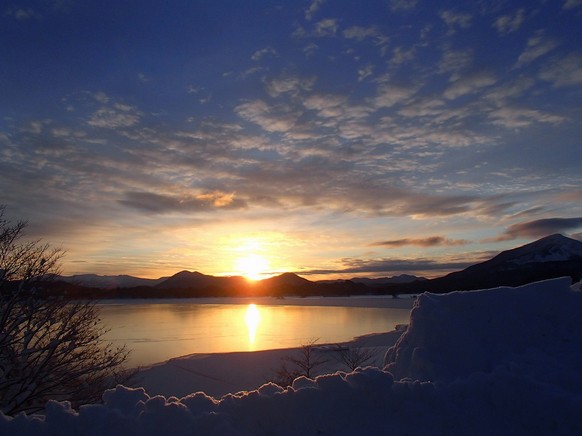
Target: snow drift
[{"x": 499, "y": 361}]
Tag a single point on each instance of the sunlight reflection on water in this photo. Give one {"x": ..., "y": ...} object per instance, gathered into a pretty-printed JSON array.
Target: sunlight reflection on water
[
  {"x": 157, "y": 331},
  {"x": 252, "y": 319}
]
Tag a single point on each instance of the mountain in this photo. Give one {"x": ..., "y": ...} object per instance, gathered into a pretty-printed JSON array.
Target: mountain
[
  {"x": 380, "y": 281},
  {"x": 196, "y": 284},
  {"x": 550, "y": 257},
  {"x": 286, "y": 284},
  {"x": 109, "y": 282}
]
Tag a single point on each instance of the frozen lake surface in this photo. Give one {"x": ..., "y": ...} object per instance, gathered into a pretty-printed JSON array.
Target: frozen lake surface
[{"x": 157, "y": 330}]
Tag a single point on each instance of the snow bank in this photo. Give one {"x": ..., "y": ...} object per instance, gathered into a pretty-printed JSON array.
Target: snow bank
[
  {"x": 501, "y": 361},
  {"x": 525, "y": 329}
]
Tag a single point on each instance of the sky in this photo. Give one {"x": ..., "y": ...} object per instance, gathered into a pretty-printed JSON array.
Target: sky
[{"x": 330, "y": 138}]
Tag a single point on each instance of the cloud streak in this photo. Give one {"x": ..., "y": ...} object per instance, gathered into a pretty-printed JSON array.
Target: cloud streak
[
  {"x": 541, "y": 227},
  {"x": 389, "y": 266},
  {"x": 432, "y": 241}
]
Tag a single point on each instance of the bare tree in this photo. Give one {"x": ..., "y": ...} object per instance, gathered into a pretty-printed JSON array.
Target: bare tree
[
  {"x": 50, "y": 348},
  {"x": 354, "y": 357},
  {"x": 304, "y": 364}
]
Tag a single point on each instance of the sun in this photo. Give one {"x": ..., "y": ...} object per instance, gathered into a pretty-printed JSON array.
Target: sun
[{"x": 252, "y": 266}]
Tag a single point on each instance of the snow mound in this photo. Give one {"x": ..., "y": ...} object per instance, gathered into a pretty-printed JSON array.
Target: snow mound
[
  {"x": 528, "y": 329},
  {"x": 500, "y": 361}
]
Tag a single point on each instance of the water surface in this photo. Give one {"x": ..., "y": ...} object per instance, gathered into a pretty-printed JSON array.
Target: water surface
[{"x": 159, "y": 330}]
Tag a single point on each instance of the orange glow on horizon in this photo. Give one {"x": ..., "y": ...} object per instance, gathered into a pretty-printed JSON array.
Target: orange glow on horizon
[{"x": 252, "y": 266}]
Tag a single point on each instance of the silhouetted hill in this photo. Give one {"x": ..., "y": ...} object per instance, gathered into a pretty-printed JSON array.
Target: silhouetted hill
[
  {"x": 286, "y": 284},
  {"x": 109, "y": 282},
  {"x": 196, "y": 284},
  {"x": 550, "y": 257},
  {"x": 382, "y": 281}
]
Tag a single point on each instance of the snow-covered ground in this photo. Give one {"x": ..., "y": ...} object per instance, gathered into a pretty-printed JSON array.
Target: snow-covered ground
[
  {"x": 222, "y": 373},
  {"x": 500, "y": 361}
]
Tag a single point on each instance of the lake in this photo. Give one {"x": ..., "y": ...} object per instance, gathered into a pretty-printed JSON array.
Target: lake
[{"x": 158, "y": 330}]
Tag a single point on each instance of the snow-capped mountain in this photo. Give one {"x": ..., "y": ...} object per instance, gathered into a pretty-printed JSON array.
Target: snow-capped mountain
[
  {"x": 549, "y": 257},
  {"x": 553, "y": 248}
]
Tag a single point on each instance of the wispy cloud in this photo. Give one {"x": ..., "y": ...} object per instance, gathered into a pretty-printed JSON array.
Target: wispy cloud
[
  {"x": 22, "y": 14},
  {"x": 289, "y": 84},
  {"x": 455, "y": 61},
  {"x": 327, "y": 27},
  {"x": 163, "y": 203},
  {"x": 469, "y": 84},
  {"x": 361, "y": 33},
  {"x": 313, "y": 8},
  {"x": 431, "y": 241},
  {"x": 115, "y": 116},
  {"x": 571, "y": 4},
  {"x": 389, "y": 266},
  {"x": 389, "y": 95},
  {"x": 271, "y": 118},
  {"x": 456, "y": 20},
  {"x": 565, "y": 71},
  {"x": 514, "y": 118},
  {"x": 403, "y": 5},
  {"x": 510, "y": 23},
  {"x": 537, "y": 46},
  {"x": 541, "y": 227},
  {"x": 260, "y": 54}
]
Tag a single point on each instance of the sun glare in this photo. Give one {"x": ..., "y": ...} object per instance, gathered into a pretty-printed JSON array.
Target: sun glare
[{"x": 252, "y": 266}]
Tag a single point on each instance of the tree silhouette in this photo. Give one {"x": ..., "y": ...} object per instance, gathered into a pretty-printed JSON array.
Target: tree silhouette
[
  {"x": 304, "y": 363},
  {"x": 50, "y": 348}
]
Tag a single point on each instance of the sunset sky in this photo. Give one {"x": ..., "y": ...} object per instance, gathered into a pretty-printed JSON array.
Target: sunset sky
[{"x": 330, "y": 138}]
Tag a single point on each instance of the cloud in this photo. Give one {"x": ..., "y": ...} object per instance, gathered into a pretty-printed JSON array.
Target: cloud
[
  {"x": 22, "y": 14},
  {"x": 402, "y": 5},
  {"x": 327, "y": 106},
  {"x": 512, "y": 117},
  {"x": 162, "y": 203},
  {"x": 365, "y": 72},
  {"x": 116, "y": 116},
  {"x": 537, "y": 46},
  {"x": 271, "y": 118},
  {"x": 291, "y": 84},
  {"x": 456, "y": 19},
  {"x": 259, "y": 54},
  {"x": 469, "y": 84},
  {"x": 432, "y": 241},
  {"x": 509, "y": 23},
  {"x": 390, "y": 95},
  {"x": 540, "y": 228},
  {"x": 500, "y": 94},
  {"x": 566, "y": 71},
  {"x": 360, "y": 33},
  {"x": 455, "y": 60},
  {"x": 390, "y": 266},
  {"x": 423, "y": 107},
  {"x": 143, "y": 78},
  {"x": 402, "y": 56},
  {"x": 327, "y": 27},
  {"x": 313, "y": 8},
  {"x": 571, "y": 4}
]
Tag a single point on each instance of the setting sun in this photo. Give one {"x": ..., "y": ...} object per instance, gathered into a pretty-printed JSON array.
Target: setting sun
[{"x": 252, "y": 266}]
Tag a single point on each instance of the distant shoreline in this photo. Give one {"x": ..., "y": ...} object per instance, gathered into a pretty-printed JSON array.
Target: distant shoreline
[{"x": 379, "y": 301}]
